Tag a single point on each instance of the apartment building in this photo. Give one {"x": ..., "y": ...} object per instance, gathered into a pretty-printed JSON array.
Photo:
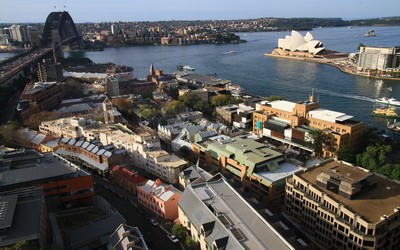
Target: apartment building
[
  {"x": 92, "y": 154},
  {"x": 239, "y": 116},
  {"x": 378, "y": 58},
  {"x": 217, "y": 217},
  {"x": 252, "y": 164},
  {"x": 73, "y": 127},
  {"x": 191, "y": 174},
  {"x": 345, "y": 207},
  {"x": 162, "y": 199},
  {"x": 146, "y": 153},
  {"x": 40, "y": 96},
  {"x": 126, "y": 178},
  {"x": 290, "y": 123}
]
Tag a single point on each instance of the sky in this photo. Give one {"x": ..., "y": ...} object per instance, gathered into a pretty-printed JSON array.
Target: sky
[{"x": 22, "y": 11}]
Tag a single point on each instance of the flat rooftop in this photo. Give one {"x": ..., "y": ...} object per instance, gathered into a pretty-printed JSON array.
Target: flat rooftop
[
  {"x": 285, "y": 170},
  {"x": 329, "y": 115},
  {"x": 32, "y": 169},
  {"x": 371, "y": 205},
  {"x": 21, "y": 217}
]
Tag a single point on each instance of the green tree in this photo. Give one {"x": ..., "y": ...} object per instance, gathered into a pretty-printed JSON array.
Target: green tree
[
  {"x": 222, "y": 100},
  {"x": 272, "y": 98},
  {"x": 346, "y": 153},
  {"x": 174, "y": 107},
  {"x": 73, "y": 88},
  {"x": 178, "y": 230},
  {"x": 189, "y": 244},
  {"x": 189, "y": 99},
  {"x": 149, "y": 113},
  {"x": 374, "y": 157},
  {"x": 316, "y": 140},
  {"x": 203, "y": 107}
]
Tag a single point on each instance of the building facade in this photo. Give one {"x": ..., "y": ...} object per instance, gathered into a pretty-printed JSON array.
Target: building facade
[
  {"x": 126, "y": 178},
  {"x": 345, "y": 207},
  {"x": 376, "y": 58},
  {"x": 40, "y": 96},
  {"x": 162, "y": 199},
  {"x": 217, "y": 217},
  {"x": 92, "y": 154},
  {"x": 252, "y": 164},
  {"x": 290, "y": 123}
]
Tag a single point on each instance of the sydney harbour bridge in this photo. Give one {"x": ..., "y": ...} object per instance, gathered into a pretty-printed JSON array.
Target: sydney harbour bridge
[{"x": 59, "y": 31}]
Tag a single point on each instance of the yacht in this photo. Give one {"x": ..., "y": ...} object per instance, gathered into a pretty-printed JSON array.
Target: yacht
[{"x": 388, "y": 101}]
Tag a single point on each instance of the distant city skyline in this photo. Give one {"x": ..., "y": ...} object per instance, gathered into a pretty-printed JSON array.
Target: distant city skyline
[{"x": 25, "y": 11}]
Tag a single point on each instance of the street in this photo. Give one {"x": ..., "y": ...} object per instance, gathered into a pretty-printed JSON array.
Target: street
[{"x": 156, "y": 237}]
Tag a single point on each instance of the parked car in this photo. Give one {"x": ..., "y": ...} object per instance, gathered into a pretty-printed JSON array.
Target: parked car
[
  {"x": 154, "y": 222},
  {"x": 173, "y": 238}
]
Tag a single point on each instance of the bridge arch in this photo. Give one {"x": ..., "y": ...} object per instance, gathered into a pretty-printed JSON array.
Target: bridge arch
[{"x": 60, "y": 29}]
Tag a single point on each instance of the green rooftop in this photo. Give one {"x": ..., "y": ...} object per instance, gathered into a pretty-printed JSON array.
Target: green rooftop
[{"x": 257, "y": 156}]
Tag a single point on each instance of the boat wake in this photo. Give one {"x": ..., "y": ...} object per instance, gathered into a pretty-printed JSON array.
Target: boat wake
[{"x": 356, "y": 97}]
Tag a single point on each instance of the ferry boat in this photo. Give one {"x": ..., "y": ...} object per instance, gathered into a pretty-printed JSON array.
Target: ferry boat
[
  {"x": 388, "y": 101},
  {"x": 386, "y": 112}
]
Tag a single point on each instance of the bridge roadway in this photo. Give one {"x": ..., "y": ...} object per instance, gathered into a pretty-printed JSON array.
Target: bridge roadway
[{"x": 12, "y": 67}]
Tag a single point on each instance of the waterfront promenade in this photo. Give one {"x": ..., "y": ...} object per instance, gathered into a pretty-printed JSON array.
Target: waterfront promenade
[{"x": 343, "y": 63}]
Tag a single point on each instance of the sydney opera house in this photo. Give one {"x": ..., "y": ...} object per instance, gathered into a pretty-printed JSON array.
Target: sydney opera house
[{"x": 297, "y": 43}]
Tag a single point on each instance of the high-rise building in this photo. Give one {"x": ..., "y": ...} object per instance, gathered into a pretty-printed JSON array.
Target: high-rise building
[{"x": 345, "y": 207}]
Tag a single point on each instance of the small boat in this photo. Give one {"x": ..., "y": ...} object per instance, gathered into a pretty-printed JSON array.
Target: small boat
[
  {"x": 388, "y": 101},
  {"x": 385, "y": 112},
  {"x": 187, "y": 67},
  {"x": 395, "y": 126},
  {"x": 370, "y": 33}
]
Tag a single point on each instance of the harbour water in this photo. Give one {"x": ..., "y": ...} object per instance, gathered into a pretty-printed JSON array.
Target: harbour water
[{"x": 246, "y": 65}]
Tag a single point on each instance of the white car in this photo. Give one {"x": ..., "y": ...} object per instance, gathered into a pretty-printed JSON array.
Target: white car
[{"x": 173, "y": 238}]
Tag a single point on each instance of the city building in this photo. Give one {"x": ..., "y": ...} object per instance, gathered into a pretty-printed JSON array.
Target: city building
[
  {"x": 126, "y": 178},
  {"x": 64, "y": 183},
  {"x": 201, "y": 93},
  {"x": 252, "y": 164},
  {"x": 92, "y": 154},
  {"x": 95, "y": 232},
  {"x": 146, "y": 153},
  {"x": 375, "y": 58},
  {"x": 23, "y": 217},
  {"x": 217, "y": 217},
  {"x": 290, "y": 123},
  {"x": 116, "y": 87},
  {"x": 345, "y": 207},
  {"x": 40, "y": 96},
  {"x": 127, "y": 237},
  {"x": 160, "y": 198},
  {"x": 73, "y": 127},
  {"x": 239, "y": 116},
  {"x": 193, "y": 174}
]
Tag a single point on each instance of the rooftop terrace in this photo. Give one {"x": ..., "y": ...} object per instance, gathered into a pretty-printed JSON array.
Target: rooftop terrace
[{"x": 371, "y": 205}]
